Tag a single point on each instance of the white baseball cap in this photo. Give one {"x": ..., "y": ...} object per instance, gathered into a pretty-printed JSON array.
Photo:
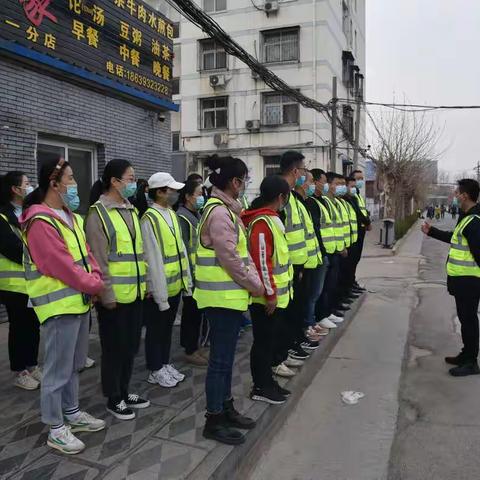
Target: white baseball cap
[{"x": 162, "y": 179}]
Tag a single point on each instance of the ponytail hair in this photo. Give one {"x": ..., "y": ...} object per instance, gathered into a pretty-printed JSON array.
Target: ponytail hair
[
  {"x": 113, "y": 169},
  {"x": 7, "y": 181},
  {"x": 51, "y": 170},
  {"x": 225, "y": 169},
  {"x": 270, "y": 188}
]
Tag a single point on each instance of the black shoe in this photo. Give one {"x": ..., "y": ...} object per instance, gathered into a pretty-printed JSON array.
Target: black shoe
[
  {"x": 347, "y": 300},
  {"x": 338, "y": 313},
  {"x": 354, "y": 295},
  {"x": 217, "y": 428},
  {"x": 343, "y": 307},
  {"x": 310, "y": 345},
  {"x": 134, "y": 401},
  {"x": 298, "y": 353},
  {"x": 465, "y": 369},
  {"x": 268, "y": 395},
  {"x": 120, "y": 410},
  {"x": 281, "y": 390},
  {"x": 236, "y": 419},
  {"x": 458, "y": 360}
]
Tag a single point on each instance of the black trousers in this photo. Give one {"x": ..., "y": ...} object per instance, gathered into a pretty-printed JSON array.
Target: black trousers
[
  {"x": 120, "y": 330},
  {"x": 467, "y": 311},
  {"x": 265, "y": 328},
  {"x": 158, "y": 337},
  {"x": 345, "y": 270},
  {"x": 359, "y": 250},
  {"x": 296, "y": 308},
  {"x": 190, "y": 326},
  {"x": 23, "y": 333}
]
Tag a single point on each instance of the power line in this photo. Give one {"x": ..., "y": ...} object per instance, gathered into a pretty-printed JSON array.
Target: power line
[{"x": 415, "y": 106}]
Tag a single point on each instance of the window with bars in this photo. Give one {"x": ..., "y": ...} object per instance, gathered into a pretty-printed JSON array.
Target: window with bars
[
  {"x": 279, "y": 109},
  {"x": 347, "y": 120},
  {"x": 271, "y": 165},
  {"x": 212, "y": 55},
  {"x": 214, "y": 112},
  {"x": 281, "y": 45},
  {"x": 212, "y": 6},
  {"x": 175, "y": 86},
  {"x": 175, "y": 141}
]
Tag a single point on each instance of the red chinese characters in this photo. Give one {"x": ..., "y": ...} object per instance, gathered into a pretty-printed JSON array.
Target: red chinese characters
[{"x": 37, "y": 10}]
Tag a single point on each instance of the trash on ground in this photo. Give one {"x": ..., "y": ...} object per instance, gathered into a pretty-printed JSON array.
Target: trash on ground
[{"x": 350, "y": 397}]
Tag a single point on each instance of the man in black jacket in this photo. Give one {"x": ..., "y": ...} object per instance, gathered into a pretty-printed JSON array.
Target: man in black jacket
[{"x": 463, "y": 269}]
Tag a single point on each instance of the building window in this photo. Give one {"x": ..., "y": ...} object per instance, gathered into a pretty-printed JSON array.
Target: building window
[
  {"x": 279, "y": 109},
  {"x": 348, "y": 68},
  {"x": 212, "y": 6},
  {"x": 175, "y": 141},
  {"x": 176, "y": 29},
  {"x": 212, "y": 55},
  {"x": 347, "y": 120},
  {"x": 271, "y": 165},
  {"x": 281, "y": 45},
  {"x": 214, "y": 112},
  {"x": 345, "y": 19},
  {"x": 82, "y": 159},
  {"x": 175, "y": 86}
]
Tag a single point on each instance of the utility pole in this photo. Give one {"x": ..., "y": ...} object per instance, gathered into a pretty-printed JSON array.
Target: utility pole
[
  {"x": 356, "y": 146},
  {"x": 477, "y": 168},
  {"x": 333, "y": 158}
]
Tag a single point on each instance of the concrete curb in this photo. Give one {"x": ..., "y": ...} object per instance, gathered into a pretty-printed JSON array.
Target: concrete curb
[
  {"x": 236, "y": 462},
  {"x": 398, "y": 245}
]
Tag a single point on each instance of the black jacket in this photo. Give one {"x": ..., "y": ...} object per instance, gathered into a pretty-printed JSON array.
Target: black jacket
[
  {"x": 11, "y": 246},
  {"x": 315, "y": 212},
  {"x": 463, "y": 285},
  {"x": 362, "y": 220}
]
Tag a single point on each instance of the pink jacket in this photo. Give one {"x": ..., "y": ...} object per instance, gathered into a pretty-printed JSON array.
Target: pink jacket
[
  {"x": 51, "y": 257},
  {"x": 219, "y": 233}
]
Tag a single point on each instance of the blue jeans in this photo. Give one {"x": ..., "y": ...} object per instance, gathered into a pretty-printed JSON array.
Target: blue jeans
[
  {"x": 224, "y": 329},
  {"x": 327, "y": 301},
  {"x": 315, "y": 282}
]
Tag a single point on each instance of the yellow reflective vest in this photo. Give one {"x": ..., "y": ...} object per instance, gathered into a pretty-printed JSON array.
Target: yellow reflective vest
[
  {"x": 214, "y": 287},
  {"x": 337, "y": 224},
  {"x": 295, "y": 232},
  {"x": 461, "y": 262},
  {"x": 12, "y": 274},
  {"x": 361, "y": 205},
  {"x": 50, "y": 296},
  {"x": 313, "y": 248},
  {"x": 192, "y": 242},
  {"x": 345, "y": 220},
  {"x": 171, "y": 246},
  {"x": 126, "y": 265},
  {"x": 327, "y": 229},
  {"x": 352, "y": 214},
  {"x": 282, "y": 267}
]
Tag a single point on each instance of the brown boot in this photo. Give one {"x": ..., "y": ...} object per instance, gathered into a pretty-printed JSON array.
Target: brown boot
[
  {"x": 204, "y": 352},
  {"x": 196, "y": 360}
]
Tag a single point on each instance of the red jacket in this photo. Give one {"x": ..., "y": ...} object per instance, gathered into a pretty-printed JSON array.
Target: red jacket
[{"x": 261, "y": 247}]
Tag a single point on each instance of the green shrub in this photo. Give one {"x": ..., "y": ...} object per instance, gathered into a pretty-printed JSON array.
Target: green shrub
[{"x": 402, "y": 226}]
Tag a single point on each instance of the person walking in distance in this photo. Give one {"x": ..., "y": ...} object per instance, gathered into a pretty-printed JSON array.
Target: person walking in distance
[
  {"x": 62, "y": 278},
  {"x": 225, "y": 279},
  {"x": 463, "y": 273}
]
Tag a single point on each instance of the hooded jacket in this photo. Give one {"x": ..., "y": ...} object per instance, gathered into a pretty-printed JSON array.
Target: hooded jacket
[
  {"x": 261, "y": 247},
  {"x": 51, "y": 256}
]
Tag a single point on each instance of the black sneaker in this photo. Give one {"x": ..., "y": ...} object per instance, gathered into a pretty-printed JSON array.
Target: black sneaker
[
  {"x": 281, "y": 390},
  {"x": 338, "y": 313},
  {"x": 268, "y": 395},
  {"x": 134, "y": 401},
  {"x": 298, "y": 353},
  {"x": 236, "y": 419},
  {"x": 121, "y": 411},
  {"x": 458, "y": 360},
  {"x": 217, "y": 428},
  {"x": 465, "y": 369},
  {"x": 310, "y": 345}
]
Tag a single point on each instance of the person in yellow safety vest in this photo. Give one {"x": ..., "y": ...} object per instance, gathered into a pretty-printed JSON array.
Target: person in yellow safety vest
[
  {"x": 269, "y": 251},
  {"x": 463, "y": 273},
  {"x": 168, "y": 277},
  {"x": 364, "y": 224},
  {"x": 62, "y": 278},
  {"x": 191, "y": 202},
  {"x": 292, "y": 169},
  {"x": 324, "y": 216},
  {"x": 114, "y": 234},
  {"x": 23, "y": 332},
  {"x": 315, "y": 269},
  {"x": 225, "y": 280}
]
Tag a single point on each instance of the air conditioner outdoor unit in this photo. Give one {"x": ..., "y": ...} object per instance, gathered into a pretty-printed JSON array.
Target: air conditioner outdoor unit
[
  {"x": 220, "y": 139},
  {"x": 252, "y": 125},
  {"x": 271, "y": 6},
  {"x": 217, "y": 81}
]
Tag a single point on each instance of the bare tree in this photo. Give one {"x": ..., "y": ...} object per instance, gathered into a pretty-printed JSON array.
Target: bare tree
[{"x": 405, "y": 154}]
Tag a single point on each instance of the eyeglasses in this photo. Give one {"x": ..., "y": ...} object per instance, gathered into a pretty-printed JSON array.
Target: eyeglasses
[{"x": 58, "y": 168}]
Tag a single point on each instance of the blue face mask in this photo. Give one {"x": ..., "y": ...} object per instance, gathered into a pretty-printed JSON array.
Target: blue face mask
[
  {"x": 147, "y": 197},
  {"x": 200, "y": 202},
  {"x": 353, "y": 190},
  {"x": 310, "y": 190},
  {"x": 300, "y": 181},
  {"x": 340, "y": 190},
  {"x": 326, "y": 188},
  {"x": 71, "y": 198},
  {"x": 28, "y": 190},
  {"x": 129, "y": 190},
  {"x": 360, "y": 183}
]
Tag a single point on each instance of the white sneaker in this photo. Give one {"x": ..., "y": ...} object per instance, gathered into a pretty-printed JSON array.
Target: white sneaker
[
  {"x": 335, "y": 318},
  {"x": 293, "y": 363},
  {"x": 283, "y": 371},
  {"x": 327, "y": 323},
  {"x": 26, "y": 381},
  {"x": 62, "y": 439},
  {"x": 37, "y": 374},
  {"x": 163, "y": 378},
  {"x": 89, "y": 362},
  {"x": 180, "y": 377},
  {"x": 84, "y": 422}
]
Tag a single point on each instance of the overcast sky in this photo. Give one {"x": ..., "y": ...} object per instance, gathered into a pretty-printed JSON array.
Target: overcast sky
[{"x": 428, "y": 50}]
